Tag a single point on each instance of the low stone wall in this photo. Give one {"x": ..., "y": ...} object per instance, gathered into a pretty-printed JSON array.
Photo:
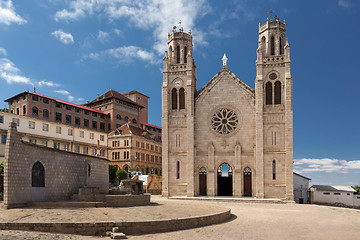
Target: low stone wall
[
  {"x": 127, "y": 200},
  {"x": 129, "y": 228}
]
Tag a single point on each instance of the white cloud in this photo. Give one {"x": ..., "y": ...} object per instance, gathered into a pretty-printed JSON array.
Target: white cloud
[
  {"x": 157, "y": 16},
  {"x": 11, "y": 74},
  {"x": 3, "y": 51},
  {"x": 125, "y": 54},
  {"x": 63, "y": 37},
  {"x": 47, "y": 83},
  {"x": 8, "y": 14},
  {"x": 103, "y": 37},
  {"x": 344, "y": 3},
  {"x": 325, "y": 165},
  {"x": 63, "y": 92},
  {"x": 71, "y": 98}
]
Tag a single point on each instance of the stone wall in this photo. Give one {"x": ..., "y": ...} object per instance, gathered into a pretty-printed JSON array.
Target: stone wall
[{"x": 65, "y": 172}]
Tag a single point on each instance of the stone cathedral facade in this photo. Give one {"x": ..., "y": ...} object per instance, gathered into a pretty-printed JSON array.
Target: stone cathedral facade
[{"x": 228, "y": 139}]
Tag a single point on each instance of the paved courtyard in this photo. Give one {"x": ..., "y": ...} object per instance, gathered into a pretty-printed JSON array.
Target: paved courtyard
[{"x": 250, "y": 221}]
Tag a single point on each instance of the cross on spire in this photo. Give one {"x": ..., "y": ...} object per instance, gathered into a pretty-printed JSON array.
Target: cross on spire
[{"x": 271, "y": 12}]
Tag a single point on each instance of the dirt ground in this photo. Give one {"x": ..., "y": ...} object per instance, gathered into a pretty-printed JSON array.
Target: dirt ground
[{"x": 249, "y": 221}]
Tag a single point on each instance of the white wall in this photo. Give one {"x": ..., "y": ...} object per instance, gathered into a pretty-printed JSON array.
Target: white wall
[
  {"x": 347, "y": 198},
  {"x": 301, "y": 188}
]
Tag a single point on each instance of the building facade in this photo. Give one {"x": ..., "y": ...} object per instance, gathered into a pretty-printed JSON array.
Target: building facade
[
  {"x": 328, "y": 194},
  {"x": 227, "y": 138},
  {"x": 301, "y": 189},
  {"x": 54, "y": 135},
  {"x": 135, "y": 150}
]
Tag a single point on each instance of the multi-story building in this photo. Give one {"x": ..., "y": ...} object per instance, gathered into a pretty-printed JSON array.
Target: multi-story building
[
  {"x": 54, "y": 135},
  {"x": 135, "y": 149},
  {"x": 120, "y": 109},
  {"x": 69, "y": 125},
  {"x": 35, "y": 105}
]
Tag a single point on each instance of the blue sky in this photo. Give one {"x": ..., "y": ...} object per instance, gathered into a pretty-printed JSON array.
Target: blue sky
[{"x": 76, "y": 49}]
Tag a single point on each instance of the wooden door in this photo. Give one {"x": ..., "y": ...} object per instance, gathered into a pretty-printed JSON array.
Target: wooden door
[
  {"x": 247, "y": 182},
  {"x": 202, "y": 182}
]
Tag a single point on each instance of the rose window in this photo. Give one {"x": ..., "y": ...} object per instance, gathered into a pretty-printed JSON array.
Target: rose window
[{"x": 224, "y": 121}]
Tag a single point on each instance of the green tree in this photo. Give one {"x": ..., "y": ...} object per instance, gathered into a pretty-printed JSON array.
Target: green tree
[
  {"x": 112, "y": 173},
  {"x": 121, "y": 174},
  {"x": 356, "y": 188}
]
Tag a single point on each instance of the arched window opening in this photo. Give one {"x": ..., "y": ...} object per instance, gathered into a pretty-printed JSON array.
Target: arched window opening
[
  {"x": 118, "y": 117},
  {"x": 35, "y": 111},
  {"x": 38, "y": 175},
  {"x": 273, "y": 169},
  {"x": 147, "y": 171},
  {"x": 272, "y": 44},
  {"x": 177, "y": 170},
  {"x": 182, "y": 98},
  {"x": 134, "y": 121},
  {"x": 174, "y": 98},
  {"x": 24, "y": 109},
  {"x": 277, "y": 99},
  {"x": 178, "y": 54},
  {"x": 126, "y": 119},
  {"x": 281, "y": 46},
  {"x": 268, "y": 92},
  {"x": 142, "y": 170},
  {"x": 263, "y": 46},
  {"x": 170, "y": 53},
  {"x": 202, "y": 181},
  {"x": 126, "y": 168},
  {"x": 46, "y": 113},
  {"x": 156, "y": 171},
  {"x": 185, "y": 55}
]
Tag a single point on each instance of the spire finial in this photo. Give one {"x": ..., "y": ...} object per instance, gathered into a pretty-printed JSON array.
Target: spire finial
[{"x": 271, "y": 12}]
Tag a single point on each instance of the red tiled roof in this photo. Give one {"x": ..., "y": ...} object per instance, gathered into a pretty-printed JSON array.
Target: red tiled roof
[
  {"x": 61, "y": 101},
  {"x": 150, "y": 125},
  {"x": 69, "y": 103}
]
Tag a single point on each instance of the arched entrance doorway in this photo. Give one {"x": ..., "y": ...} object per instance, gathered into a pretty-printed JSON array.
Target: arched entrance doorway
[
  {"x": 247, "y": 182},
  {"x": 202, "y": 181},
  {"x": 224, "y": 179},
  {"x": 38, "y": 182}
]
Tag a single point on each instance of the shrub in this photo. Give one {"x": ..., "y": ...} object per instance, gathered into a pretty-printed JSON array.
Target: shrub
[{"x": 121, "y": 174}]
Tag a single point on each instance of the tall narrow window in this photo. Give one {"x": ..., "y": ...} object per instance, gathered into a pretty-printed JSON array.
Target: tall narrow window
[
  {"x": 277, "y": 99},
  {"x": 263, "y": 47},
  {"x": 273, "y": 169},
  {"x": 38, "y": 175},
  {"x": 182, "y": 98},
  {"x": 46, "y": 114},
  {"x": 273, "y": 138},
  {"x": 281, "y": 49},
  {"x": 170, "y": 55},
  {"x": 177, "y": 140},
  {"x": 272, "y": 44},
  {"x": 35, "y": 111},
  {"x": 177, "y": 170},
  {"x": 185, "y": 55},
  {"x": 24, "y": 109},
  {"x": 178, "y": 54},
  {"x": 268, "y": 92},
  {"x": 174, "y": 98}
]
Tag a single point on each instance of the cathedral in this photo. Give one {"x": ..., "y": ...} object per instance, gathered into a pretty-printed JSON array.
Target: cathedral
[{"x": 228, "y": 139}]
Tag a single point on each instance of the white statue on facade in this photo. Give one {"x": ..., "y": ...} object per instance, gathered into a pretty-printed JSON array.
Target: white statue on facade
[{"x": 224, "y": 59}]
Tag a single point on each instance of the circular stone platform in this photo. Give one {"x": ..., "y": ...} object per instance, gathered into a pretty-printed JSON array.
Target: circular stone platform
[{"x": 161, "y": 216}]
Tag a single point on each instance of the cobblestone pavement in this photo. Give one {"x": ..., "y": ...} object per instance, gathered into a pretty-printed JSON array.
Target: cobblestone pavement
[{"x": 250, "y": 221}]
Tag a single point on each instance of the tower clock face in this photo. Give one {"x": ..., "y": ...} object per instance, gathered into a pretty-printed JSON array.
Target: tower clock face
[{"x": 177, "y": 83}]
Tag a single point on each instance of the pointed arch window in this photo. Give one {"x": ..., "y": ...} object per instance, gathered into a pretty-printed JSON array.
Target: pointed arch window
[
  {"x": 268, "y": 92},
  {"x": 182, "y": 98},
  {"x": 272, "y": 45},
  {"x": 170, "y": 53},
  {"x": 174, "y": 98},
  {"x": 38, "y": 175},
  {"x": 24, "y": 109},
  {"x": 178, "y": 54},
  {"x": 185, "y": 55},
  {"x": 277, "y": 97},
  {"x": 281, "y": 46},
  {"x": 273, "y": 169},
  {"x": 118, "y": 117},
  {"x": 263, "y": 41}
]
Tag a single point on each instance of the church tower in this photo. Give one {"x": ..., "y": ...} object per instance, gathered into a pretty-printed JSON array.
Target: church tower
[
  {"x": 274, "y": 113},
  {"x": 178, "y": 91}
]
